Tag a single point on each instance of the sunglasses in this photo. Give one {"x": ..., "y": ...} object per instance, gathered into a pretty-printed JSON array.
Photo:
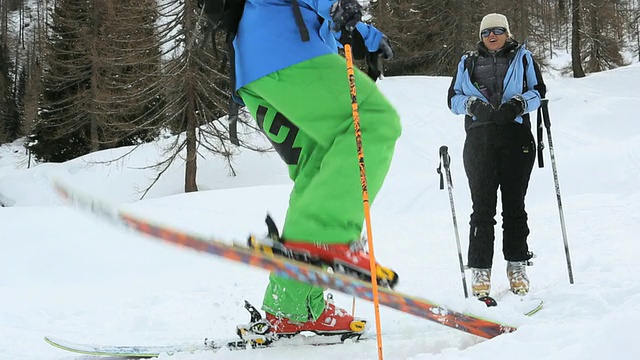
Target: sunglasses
[{"x": 496, "y": 30}]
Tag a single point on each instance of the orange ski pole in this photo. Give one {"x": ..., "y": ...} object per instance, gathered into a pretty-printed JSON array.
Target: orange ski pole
[{"x": 365, "y": 193}]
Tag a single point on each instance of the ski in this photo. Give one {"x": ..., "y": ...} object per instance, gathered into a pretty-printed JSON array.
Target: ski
[
  {"x": 257, "y": 334},
  {"x": 538, "y": 305},
  {"x": 528, "y": 306},
  {"x": 146, "y": 351},
  {"x": 250, "y": 340},
  {"x": 285, "y": 267},
  {"x": 140, "y": 352},
  {"x": 523, "y": 304},
  {"x": 488, "y": 300}
]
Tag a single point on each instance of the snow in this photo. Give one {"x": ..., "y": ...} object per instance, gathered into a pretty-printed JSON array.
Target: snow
[{"x": 66, "y": 274}]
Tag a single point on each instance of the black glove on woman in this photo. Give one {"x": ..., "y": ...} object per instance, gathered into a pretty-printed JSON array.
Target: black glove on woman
[
  {"x": 482, "y": 111},
  {"x": 508, "y": 111}
]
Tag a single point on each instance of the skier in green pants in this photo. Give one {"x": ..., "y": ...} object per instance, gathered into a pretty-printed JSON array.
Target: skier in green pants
[{"x": 300, "y": 98}]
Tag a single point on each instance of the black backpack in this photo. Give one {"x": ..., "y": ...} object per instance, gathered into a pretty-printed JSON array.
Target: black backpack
[
  {"x": 226, "y": 15},
  {"x": 222, "y": 14}
]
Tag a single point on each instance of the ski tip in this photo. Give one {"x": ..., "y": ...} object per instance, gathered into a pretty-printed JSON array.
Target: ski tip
[
  {"x": 488, "y": 300},
  {"x": 538, "y": 307},
  {"x": 54, "y": 341}
]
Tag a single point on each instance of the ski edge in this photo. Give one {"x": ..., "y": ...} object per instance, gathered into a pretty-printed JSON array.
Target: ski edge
[
  {"x": 118, "y": 351},
  {"x": 536, "y": 309}
]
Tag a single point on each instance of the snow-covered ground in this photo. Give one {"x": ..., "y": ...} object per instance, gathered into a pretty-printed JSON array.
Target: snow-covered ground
[{"x": 66, "y": 274}]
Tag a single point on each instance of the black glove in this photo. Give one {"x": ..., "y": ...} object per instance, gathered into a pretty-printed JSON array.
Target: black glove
[
  {"x": 345, "y": 14},
  {"x": 385, "y": 48},
  {"x": 482, "y": 111},
  {"x": 508, "y": 111}
]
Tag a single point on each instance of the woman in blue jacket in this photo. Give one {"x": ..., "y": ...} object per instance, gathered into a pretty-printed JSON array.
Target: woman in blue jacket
[
  {"x": 295, "y": 85},
  {"x": 495, "y": 88}
]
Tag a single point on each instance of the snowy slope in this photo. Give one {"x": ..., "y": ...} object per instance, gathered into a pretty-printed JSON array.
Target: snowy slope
[{"x": 68, "y": 275}]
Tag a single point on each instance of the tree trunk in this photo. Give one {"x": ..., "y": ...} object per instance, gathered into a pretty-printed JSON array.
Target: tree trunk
[
  {"x": 576, "y": 59},
  {"x": 191, "y": 163},
  {"x": 190, "y": 184}
]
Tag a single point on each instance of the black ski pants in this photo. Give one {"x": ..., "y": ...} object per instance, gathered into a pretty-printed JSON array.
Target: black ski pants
[{"x": 498, "y": 157}]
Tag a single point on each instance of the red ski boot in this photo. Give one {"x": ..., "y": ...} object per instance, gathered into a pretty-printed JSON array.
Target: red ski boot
[
  {"x": 350, "y": 259},
  {"x": 333, "y": 321}
]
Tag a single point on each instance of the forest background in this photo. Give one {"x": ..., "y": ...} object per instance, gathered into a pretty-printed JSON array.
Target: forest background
[{"x": 77, "y": 76}]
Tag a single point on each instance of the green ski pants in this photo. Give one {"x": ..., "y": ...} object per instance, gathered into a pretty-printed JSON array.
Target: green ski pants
[{"x": 305, "y": 111}]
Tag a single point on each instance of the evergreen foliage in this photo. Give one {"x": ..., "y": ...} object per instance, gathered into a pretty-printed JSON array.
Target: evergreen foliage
[
  {"x": 101, "y": 64},
  {"x": 78, "y": 76},
  {"x": 429, "y": 36},
  {"x": 8, "y": 108}
]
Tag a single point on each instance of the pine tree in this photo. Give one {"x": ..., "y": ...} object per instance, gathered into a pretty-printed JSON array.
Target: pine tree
[
  {"x": 428, "y": 36},
  {"x": 8, "y": 109},
  {"x": 63, "y": 130},
  {"x": 101, "y": 63},
  {"x": 128, "y": 95},
  {"x": 603, "y": 39},
  {"x": 198, "y": 92}
]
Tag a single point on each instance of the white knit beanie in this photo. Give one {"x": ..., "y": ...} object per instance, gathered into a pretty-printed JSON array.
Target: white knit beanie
[{"x": 494, "y": 20}]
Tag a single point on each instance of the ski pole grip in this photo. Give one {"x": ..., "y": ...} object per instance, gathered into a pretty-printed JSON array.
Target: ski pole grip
[
  {"x": 348, "y": 35},
  {"x": 444, "y": 161},
  {"x": 539, "y": 138},
  {"x": 545, "y": 113},
  {"x": 444, "y": 154}
]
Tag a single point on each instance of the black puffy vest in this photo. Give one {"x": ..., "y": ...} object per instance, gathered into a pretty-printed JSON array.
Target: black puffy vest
[{"x": 490, "y": 69}]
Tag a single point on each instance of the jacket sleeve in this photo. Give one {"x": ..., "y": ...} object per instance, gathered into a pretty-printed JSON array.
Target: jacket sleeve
[
  {"x": 371, "y": 36},
  {"x": 536, "y": 89},
  {"x": 322, "y": 7},
  {"x": 456, "y": 99}
]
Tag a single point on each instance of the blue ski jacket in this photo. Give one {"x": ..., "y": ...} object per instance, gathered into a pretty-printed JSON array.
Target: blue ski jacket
[
  {"x": 268, "y": 38},
  {"x": 518, "y": 81}
]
